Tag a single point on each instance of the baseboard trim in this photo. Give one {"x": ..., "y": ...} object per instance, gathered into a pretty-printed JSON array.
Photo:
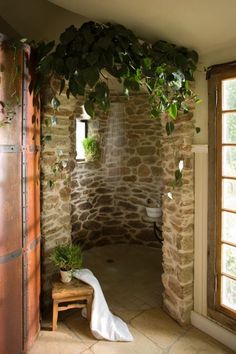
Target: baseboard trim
[{"x": 214, "y": 330}]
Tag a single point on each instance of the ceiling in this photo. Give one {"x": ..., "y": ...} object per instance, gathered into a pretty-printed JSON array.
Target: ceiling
[{"x": 204, "y": 25}]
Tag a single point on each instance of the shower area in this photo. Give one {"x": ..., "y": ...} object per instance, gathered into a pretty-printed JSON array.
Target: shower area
[
  {"x": 101, "y": 205},
  {"x": 109, "y": 195}
]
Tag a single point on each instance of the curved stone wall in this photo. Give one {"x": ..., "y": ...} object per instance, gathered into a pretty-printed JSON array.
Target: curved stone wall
[{"x": 109, "y": 196}]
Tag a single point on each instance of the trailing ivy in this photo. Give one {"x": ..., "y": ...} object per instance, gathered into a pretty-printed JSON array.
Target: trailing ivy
[
  {"x": 8, "y": 108},
  {"x": 83, "y": 56}
]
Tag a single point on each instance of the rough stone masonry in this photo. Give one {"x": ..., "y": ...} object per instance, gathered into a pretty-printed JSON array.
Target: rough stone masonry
[
  {"x": 109, "y": 195},
  {"x": 103, "y": 202}
]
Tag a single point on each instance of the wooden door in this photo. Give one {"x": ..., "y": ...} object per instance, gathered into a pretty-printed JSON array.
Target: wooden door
[
  {"x": 11, "y": 297},
  {"x": 31, "y": 209},
  {"x": 20, "y": 210}
]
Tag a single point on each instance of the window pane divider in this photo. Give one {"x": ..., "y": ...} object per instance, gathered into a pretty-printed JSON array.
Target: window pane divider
[
  {"x": 228, "y": 276},
  {"x": 228, "y": 177},
  {"x": 229, "y": 144},
  {"x": 228, "y": 111},
  {"x": 229, "y": 243},
  {"x": 229, "y": 210}
]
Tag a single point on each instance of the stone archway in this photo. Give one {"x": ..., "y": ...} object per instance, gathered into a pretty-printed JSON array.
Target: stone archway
[{"x": 59, "y": 220}]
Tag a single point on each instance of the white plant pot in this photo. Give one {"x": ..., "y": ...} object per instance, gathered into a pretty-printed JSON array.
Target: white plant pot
[
  {"x": 66, "y": 276},
  {"x": 153, "y": 212}
]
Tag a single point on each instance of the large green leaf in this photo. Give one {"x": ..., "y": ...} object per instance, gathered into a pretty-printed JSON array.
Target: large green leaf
[
  {"x": 103, "y": 43},
  {"x": 92, "y": 58},
  {"x": 181, "y": 60},
  {"x": 193, "y": 55},
  {"x": 89, "y": 107},
  {"x": 71, "y": 63},
  {"x": 68, "y": 35},
  {"x": 102, "y": 90},
  {"x": 61, "y": 50},
  {"x": 173, "y": 110},
  {"x": 46, "y": 64},
  {"x": 75, "y": 87},
  {"x": 147, "y": 63},
  {"x": 91, "y": 75},
  {"x": 170, "y": 128},
  {"x": 55, "y": 103},
  {"x": 62, "y": 86},
  {"x": 59, "y": 65},
  {"x": 178, "y": 178}
]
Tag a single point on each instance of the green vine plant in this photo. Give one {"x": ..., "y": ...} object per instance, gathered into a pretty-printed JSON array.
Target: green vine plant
[
  {"x": 9, "y": 107},
  {"x": 84, "y": 55},
  {"x": 57, "y": 169}
]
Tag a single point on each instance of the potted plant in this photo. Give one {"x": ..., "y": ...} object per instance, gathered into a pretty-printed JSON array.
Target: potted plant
[
  {"x": 91, "y": 148},
  {"x": 67, "y": 257},
  {"x": 153, "y": 209}
]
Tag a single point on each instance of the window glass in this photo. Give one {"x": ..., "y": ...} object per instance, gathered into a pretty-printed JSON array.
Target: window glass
[
  {"x": 81, "y": 132},
  {"x": 229, "y": 128},
  {"x": 229, "y": 260},
  {"x": 229, "y": 227},
  {"x": 228, "y": 297},
  {"x": 229, "y": 161},
  {"x": 229, "y": 194},
  {"x": 229, "y": 94}
]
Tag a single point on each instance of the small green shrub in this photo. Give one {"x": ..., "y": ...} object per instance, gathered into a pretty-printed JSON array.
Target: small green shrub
[
  {"x": 91, "y": 148},
  {"x": 67, "y": 256}
]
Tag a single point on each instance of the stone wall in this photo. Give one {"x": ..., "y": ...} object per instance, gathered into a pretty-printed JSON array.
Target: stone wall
[
  {"x": 178, "y": 217},
  {"x": 109, "y": 196},
  {"x": 57, "y": 149},
  {"x": 103, "y": 202}
]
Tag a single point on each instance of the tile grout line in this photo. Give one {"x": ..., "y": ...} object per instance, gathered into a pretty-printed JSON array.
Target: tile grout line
[
  {"x": 147, "y": 337},
  {"x": 177, "y": 339}
]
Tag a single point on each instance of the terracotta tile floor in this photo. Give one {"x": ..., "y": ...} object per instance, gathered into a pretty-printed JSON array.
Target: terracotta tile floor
[{"x": 131, "y": 280}]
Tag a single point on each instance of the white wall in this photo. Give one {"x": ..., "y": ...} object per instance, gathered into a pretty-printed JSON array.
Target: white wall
[{"x": 39, "y": 20}]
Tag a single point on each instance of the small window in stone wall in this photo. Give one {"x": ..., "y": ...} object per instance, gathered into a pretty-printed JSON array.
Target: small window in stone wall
[{"x": 81, "y": 133}]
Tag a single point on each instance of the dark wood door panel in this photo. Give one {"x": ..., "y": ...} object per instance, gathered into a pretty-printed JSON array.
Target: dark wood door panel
[
  {"x": 33, "y": 196},
  {"x": 11, "y": 305},
  {"x": 10, "y": 199},
  {"x": 32, "y": 292}
]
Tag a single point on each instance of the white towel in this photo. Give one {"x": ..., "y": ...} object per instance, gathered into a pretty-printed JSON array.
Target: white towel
[{"x": 103, "y": 323}]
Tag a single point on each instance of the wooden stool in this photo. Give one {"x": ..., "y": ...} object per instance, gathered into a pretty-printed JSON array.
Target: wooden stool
[{"x": 77, "y": 292}]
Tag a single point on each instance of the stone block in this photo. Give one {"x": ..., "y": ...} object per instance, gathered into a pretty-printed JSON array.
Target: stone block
[
  {"x": 146, "y": 150},
  {"x": 104, "y": 200},
  {"x": 65, "y": 193},
  {"x": 185, "y": 275},
  {"x": 144, "y": 171},
  {"x": 85, "y": 206},
  {"x": 91, "y": 225},
  {"x": 127, "y": 206}
]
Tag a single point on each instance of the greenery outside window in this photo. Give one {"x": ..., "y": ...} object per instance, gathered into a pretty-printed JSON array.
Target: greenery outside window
[
  {"x": 81, "y": 134},
  {"x": 222, "y": 195}
]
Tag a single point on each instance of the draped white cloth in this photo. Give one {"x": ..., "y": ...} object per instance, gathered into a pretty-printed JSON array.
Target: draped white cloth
[{"x": 103, "y": 325}]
